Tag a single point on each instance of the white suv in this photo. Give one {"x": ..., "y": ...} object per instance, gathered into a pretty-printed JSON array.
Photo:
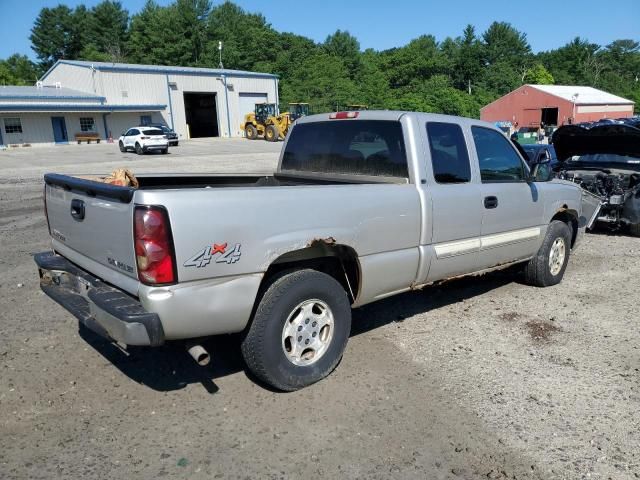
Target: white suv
[{"x": 144, "y": 139}]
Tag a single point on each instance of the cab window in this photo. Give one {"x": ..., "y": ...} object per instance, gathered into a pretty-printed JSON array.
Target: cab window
[
  {"x": 449, "y": 156},
  {"x": 498, "y": 160},
  {"x": 351, "y": 147}
]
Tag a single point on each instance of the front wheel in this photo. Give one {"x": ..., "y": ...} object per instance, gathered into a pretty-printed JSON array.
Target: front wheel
[
  {"x": 299, "y": 330},
  {"x": 122, "y": 147},
  {"x": 164, "y": 151},
  {"x": 139, "y": 149},
  {"x": 271, "y": 133},
  {"x": 548, "y": 266},
  {"x": 251, "y": 132},
  {"x": 634, "y": 229}
]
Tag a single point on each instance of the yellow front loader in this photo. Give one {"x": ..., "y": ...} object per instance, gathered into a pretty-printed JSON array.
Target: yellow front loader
[{"x": 263, "y": 121}]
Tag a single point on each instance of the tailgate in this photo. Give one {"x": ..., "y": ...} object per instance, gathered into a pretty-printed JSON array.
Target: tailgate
[{"x": 92, "y": 225}]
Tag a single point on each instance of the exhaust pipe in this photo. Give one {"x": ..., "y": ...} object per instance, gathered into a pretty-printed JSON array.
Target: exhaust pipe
[{"x": 199, "y": 354}]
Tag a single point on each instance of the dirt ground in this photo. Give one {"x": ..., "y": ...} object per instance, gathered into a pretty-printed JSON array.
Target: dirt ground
[{"x": 478, "y": 378}]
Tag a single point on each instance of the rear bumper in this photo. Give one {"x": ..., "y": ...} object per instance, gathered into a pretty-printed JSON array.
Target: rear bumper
[
  {"x": 106, "y": 310},
  {"x": 159, "y": 146}
]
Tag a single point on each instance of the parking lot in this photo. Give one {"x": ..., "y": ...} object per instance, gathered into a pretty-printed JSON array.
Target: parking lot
[{"x": 478, "y": 378}]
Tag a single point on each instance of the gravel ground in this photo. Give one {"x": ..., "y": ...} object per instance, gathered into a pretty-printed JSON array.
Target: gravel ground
[{"x": 478, "y": 378}]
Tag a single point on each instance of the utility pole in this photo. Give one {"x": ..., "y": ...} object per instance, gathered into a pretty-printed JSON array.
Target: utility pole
[
  {"x": 574, "y": 98},
  {"x": 469, "y": 86},
  {"x": 220, "y": 54}
]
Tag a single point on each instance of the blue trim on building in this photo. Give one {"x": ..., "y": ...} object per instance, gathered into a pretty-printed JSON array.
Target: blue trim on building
[
  {"x": 106, "y": 129},
  {"x": 226, "y": 97},
  {"x": 130, "y": 68},
  {"x": 62, "y": 107},
  {"x": 49, "y": 97},
  {"x": 170, "y": 103}
]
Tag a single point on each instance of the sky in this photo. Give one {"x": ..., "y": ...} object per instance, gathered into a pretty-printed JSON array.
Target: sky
[{"x": 382, "y": 24}]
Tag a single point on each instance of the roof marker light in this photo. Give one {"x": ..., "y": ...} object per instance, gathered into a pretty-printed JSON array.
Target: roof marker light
[{"x": 343, "y": 115}]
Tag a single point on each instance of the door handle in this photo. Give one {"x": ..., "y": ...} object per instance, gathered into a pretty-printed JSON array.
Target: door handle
[
  {"x": 77, "y": 209},
  {"x": 490, "y": 202}
]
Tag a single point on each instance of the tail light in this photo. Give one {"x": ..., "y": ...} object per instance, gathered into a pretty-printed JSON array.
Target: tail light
[
  {"x": 154, "y": 246},
  {"x": 145, "y": 138},
  {"x": 46, "y": 212}
]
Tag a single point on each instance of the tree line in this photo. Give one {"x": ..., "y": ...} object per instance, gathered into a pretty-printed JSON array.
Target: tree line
[{"x": 457, "y": 75}]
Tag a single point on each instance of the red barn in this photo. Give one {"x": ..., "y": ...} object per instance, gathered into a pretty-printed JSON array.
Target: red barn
[{"x": 529, "y": 105}]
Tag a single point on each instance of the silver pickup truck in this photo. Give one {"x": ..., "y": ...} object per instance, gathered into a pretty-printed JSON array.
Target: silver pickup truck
[{"x": 363, "y": 205}]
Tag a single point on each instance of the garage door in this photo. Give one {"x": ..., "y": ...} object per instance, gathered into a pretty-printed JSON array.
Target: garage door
[{"x": 248, "y": 101}]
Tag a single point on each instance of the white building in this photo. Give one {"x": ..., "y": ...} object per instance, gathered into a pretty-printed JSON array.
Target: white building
[{"x": 75, "y": 97}]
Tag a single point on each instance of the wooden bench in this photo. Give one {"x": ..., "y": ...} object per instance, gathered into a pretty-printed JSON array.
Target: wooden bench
[{"x": 88, "y": 137}]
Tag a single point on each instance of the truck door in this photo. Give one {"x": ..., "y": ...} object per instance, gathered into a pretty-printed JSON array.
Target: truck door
[
  {"x": 512, "y": 209},
  {"x": 456, "y": 209}
]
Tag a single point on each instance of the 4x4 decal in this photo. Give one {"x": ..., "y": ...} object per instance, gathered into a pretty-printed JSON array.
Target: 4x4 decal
[{"x": 217, "y": 253}]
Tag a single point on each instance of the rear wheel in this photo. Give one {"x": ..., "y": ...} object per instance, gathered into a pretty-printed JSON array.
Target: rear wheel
[
  {"x": 299, "y": 330},
  {"x": 251, "y": 132},
  {"x": 634, "y": 229},
  {"x": 271, "y": 133},
  {"x": 121, "y": 146},
  {"x": 164, "y": 151},
  {"x": 548, "y": 266},
  {"x": 139, "y": 149}
]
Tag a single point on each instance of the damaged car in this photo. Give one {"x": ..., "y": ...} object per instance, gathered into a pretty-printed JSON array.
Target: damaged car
[{"x": 604, "y": 159}]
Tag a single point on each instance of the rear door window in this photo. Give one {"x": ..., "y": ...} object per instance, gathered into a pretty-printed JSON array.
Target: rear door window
[
  {"x": 352, "y": 147},
  {"x": 449, "y": 156},
  {"x": 498, "y": 159}
]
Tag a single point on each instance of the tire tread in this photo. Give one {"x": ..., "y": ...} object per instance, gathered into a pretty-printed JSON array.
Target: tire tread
[
  {"x": 536, "y": 271},
  {"x": 254, "y": 344}
]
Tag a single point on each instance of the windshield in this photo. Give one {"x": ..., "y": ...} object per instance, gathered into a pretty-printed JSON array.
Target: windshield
[{"x": 362, "y": 147}]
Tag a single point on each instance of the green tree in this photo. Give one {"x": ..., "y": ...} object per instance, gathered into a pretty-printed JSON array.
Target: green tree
[
  {"x": 576, "y": 63},
  {"x": 503, "y": 43},
  {"x": 248, "y": 40},
  {"x": 6, "y": 76},
  {"x": 145, "y": 35},
  {"x": 538, "y": 75},
  {"x": 468, "y": 59},
  {"x": 21, "y": 70},
  {"x": 346, "y": 47},
  {"x": 107, "y": 31},
  {"x": 457, "y": 75},
  {"x": 54, "y": 35},
  {"x": 323, "y": 80},
  {"x": 418, "y": 60}
]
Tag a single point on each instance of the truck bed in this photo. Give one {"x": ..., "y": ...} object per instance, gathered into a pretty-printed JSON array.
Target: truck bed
[{"x": 86, "y": 185}]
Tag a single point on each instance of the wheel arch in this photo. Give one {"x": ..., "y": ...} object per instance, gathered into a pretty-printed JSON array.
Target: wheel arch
[
  {"x": 325, "y": 255},
  {"x": 570, "y": 217}
]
